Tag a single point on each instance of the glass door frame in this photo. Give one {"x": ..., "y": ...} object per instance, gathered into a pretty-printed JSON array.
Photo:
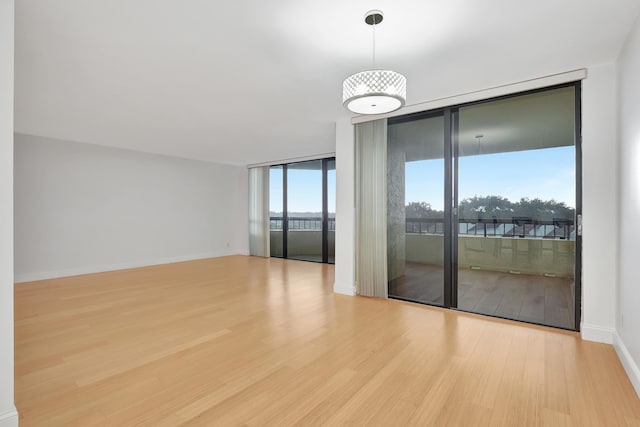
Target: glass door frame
[
  {"x": 451, "y": 229},
  {"x": 448, "y": 287},
  {"x": 325, "y": 209}
]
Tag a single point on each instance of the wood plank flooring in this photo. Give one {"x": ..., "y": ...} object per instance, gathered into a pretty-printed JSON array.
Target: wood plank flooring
[
  {"x": 536, "y": 299},
  {"x": 253, "y": 341}
]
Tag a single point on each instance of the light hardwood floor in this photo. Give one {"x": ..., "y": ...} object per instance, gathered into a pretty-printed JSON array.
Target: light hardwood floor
[{"x": 252, "y": 341}]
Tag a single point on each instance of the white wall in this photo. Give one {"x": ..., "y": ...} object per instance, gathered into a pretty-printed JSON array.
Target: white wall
[
  {"x": 8, "y": 414},
  {"x": 599, "y": 203},
  {"x": 628, "y": 339},
  {"x": 600, "y": 198},
  {"x": 345, "y": 219},
  {"x": 82, "y": 208}
]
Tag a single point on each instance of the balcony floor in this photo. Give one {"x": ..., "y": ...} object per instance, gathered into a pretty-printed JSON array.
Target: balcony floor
[{"x": 535, "y": 299}]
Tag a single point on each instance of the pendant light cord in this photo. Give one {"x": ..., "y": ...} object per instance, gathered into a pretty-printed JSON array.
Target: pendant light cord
[{"x": 374, "y": 43}]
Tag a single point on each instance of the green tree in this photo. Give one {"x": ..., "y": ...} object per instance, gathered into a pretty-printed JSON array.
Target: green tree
[
  {"x": 422, "y": 210},
  {"x": 498, "y": 207},
  {"x": 485, "y": 207},
  {"x": 543, "y": 209}
]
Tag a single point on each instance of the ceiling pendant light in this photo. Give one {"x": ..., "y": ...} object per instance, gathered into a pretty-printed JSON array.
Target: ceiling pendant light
[{"x": 374, "y": 91}]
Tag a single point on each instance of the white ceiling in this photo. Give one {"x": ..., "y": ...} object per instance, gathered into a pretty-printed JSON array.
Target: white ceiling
[{"x": 249, "y": 81}]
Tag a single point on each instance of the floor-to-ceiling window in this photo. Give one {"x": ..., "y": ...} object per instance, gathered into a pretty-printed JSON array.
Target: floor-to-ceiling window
[
  {"x": 302, "y": 210},
  {"x": 484, "y": 207}
]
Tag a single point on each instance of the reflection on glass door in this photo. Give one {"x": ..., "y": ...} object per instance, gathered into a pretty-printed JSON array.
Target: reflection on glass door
[
  {"x": 516, "y": 204},
  {"x": 415, "y": 209}
]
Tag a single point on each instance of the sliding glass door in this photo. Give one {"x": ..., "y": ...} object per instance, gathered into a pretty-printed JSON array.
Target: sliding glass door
[
  {"x": 302, "y": 210},
  {"x": 516, "y": 208},
  {"x": 484, "y": 207},
  {"x": 277, "y": 210},
  {"x": 415, "y": 209},
  {"x": 330, "y": 216}
]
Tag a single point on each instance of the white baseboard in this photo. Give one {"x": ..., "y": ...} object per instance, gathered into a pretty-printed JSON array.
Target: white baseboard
[
  {"x": 9, "y": 418},
  {"x": 629, "y": 365},
  {"x": 344, "y": 288},
  {"x": 30, "y": 277},
  {"x": 596, "y": 333}
]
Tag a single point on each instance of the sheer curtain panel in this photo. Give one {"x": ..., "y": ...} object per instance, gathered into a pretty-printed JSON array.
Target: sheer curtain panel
[
  {"x": 371, "y": 208},
  {"x": 259, "y": 211}
]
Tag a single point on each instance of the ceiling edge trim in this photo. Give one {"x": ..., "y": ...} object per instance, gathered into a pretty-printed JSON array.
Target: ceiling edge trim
[
  {"x": 478, "y": 95},
  {"x": 292, "y": 160}
]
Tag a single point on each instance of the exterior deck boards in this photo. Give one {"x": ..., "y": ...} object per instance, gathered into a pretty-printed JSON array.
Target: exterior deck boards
[{"x": 528, "y": 298}]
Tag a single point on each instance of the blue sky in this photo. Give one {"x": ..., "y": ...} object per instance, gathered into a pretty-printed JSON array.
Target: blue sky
[
  {"x": 546, "y": 174},
  {"x": 305, "y": 190}
]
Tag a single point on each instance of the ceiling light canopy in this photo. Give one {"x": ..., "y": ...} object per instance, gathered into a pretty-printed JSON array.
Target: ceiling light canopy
[{"x": 374, "y": 91}]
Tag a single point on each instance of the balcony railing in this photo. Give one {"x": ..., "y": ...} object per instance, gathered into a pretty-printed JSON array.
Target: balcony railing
[
  {"x": 519, "y": 244},
  {"x": 302, "y": 223},
  {"x": 514, "y": 227}
]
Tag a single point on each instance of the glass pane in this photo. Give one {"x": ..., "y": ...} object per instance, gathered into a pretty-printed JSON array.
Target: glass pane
[
  {"x": 331, "y": 209},
  {"x": 275, "y": 210},
  {"x": 415, "y": 210},
  {"x": 304, "y": 210},
  {"x": 516, "y": 192}
]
